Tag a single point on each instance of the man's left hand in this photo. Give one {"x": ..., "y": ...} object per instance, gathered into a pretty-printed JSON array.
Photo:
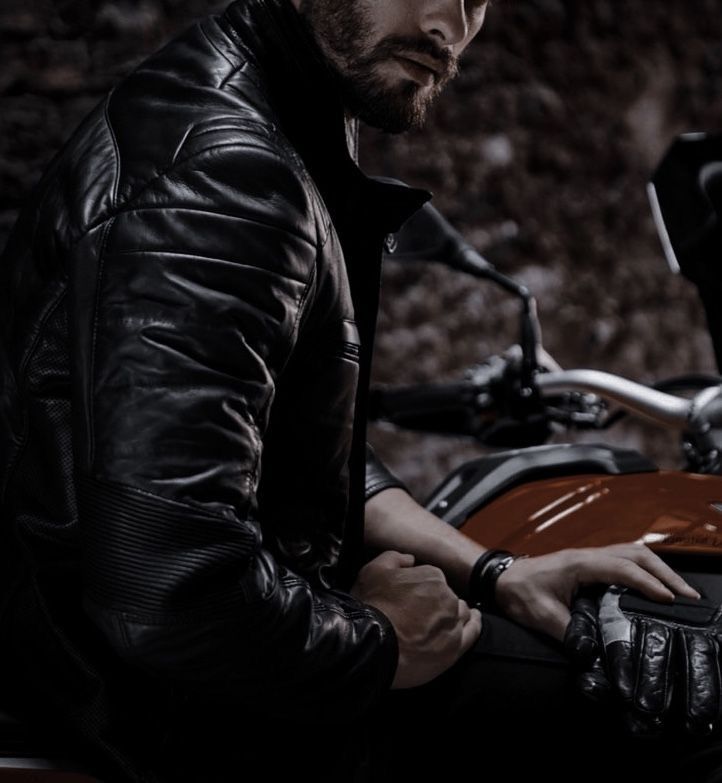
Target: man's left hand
[{"x": 537, "y": 592}]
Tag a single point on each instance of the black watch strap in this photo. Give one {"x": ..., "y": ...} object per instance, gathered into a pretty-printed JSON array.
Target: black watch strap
[{"x": 484, "y": 575}]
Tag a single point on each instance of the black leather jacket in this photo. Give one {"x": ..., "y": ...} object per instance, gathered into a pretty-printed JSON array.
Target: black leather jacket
[{"x": 187, "y": 304}]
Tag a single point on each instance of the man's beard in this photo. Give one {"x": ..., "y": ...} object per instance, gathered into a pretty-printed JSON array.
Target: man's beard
[{"x": 343, "y": 30}]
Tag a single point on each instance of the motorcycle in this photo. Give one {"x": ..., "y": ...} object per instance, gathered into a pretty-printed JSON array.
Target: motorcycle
[
  {"x": 532, "y": 497},
  {"x": 527, "y": 495}
]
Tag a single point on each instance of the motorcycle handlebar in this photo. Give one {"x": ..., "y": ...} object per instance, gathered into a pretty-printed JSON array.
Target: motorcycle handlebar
[
  {"x": 429, "y": 405},
  {"x": 653, "y": 405}
]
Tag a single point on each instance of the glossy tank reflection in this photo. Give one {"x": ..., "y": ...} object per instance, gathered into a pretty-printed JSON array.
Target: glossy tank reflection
[{"x": 672, "y": 512}]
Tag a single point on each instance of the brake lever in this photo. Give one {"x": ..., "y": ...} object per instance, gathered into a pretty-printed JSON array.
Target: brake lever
[
  {"x": 702, "y": 441},
  {"x": 579, "y": 410}
]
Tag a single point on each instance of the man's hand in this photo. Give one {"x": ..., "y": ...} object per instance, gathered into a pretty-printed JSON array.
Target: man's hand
[
  {"x": 433, "y": 626},
  {"x": 537, "y": 591}
]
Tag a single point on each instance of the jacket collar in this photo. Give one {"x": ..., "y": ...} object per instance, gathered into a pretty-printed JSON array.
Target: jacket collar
[{"x": 306, "y": 97}]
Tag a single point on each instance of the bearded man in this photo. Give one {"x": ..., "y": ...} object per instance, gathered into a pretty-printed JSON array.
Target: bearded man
[{"x": 208, "y": 571}]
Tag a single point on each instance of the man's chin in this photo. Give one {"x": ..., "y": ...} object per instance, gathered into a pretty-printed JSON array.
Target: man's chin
[
  {"x": 394, "y": 124},
  {"x": 395, "y": 115}
]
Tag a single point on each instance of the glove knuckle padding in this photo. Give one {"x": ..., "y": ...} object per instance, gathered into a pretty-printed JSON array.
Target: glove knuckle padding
[
  {"x": 580, "y": 640},
  {"x": 678, "y": 659},
  {"x": 582, "y": 645},
  {"x": 653, "y": 689},
  {"x": 594, "y": 683},
  {"x": 700, "y": 668},
  {"x": 661, "y": 661}
]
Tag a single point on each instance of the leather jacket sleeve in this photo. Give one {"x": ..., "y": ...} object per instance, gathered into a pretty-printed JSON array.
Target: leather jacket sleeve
[
  {"x": 194, "y": 310},
  {"x": 378, "y": 476}
]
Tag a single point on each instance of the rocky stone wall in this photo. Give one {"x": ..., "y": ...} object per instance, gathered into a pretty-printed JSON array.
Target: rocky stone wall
[{"x": 539, "y": 152}]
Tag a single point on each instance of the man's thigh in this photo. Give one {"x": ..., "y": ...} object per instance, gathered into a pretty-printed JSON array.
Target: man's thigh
[{"x": 510, "y": 707}]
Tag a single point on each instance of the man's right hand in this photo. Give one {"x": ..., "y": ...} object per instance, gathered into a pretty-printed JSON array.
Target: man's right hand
[{"x": 434, "y": 627}]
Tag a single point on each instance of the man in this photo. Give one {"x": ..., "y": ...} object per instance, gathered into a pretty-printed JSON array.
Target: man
[{"x": 188, "y": 308}]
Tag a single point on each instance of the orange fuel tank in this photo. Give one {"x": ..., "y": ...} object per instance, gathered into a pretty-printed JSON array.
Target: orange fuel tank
[{"x": 670, "y": 511}]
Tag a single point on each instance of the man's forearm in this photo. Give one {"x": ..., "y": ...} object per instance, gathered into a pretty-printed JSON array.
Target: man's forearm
[{"x": 395, "y": 521}]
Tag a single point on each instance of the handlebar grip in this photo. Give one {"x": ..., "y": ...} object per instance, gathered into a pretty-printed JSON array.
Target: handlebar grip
[
  {"x": 386, "y": 403},
  {"x": 445, "y": 408}
]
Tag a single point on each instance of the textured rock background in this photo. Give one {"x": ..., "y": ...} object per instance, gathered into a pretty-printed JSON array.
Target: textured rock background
[{"x": 539, "y": 152}]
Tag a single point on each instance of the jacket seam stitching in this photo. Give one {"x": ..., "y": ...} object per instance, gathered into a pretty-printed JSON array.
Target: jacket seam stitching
[
  {"x": 240, "y": 69},
  {"x": 237, "y": 39},
  {"x": 161, "y": 619},
  {"x": 116, "y": 151},
  {"x": 234, "y": 66},
  {"x": 303, "y": 298},
  {"x": 217, "y": 213},
  {"x": 122, "y": 206},
  {"x": 54, "y": 303},
  {"x": 96, "y": 321},
  {"x": 200, "y": 130},
  {"x": 20, "y": 443},
  {"x": 326, "y": 233},
  {"x": 253, "y": 475},
  {"x": 226, "y": 79}
]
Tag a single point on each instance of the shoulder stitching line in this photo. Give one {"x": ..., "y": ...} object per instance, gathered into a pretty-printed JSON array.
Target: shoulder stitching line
[{"x": 159, "y": 176}]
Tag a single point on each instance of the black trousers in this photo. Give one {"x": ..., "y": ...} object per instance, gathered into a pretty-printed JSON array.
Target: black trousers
[
  {"x": 507, "y": 711},
  {"x": 510, "y": 710}
]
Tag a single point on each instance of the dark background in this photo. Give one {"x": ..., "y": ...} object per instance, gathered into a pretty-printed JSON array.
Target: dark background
[{"x": 540, "y": 152}]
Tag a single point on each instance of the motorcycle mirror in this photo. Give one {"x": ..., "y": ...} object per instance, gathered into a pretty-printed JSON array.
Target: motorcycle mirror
[
  {"x": 424, "y": 237},
  {"x": 686, "y": 197},
  {"x": 428, "y": 236}
]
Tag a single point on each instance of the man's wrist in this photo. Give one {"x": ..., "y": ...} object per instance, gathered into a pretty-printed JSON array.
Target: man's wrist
[{"x": 484, "y": 576}]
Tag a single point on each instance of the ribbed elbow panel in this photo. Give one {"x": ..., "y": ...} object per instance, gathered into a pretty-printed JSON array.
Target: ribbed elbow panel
[{"x": 147, "y": 554}]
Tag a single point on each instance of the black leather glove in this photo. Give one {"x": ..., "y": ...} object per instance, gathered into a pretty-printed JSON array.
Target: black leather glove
[{"x": 661, "y": 661}]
